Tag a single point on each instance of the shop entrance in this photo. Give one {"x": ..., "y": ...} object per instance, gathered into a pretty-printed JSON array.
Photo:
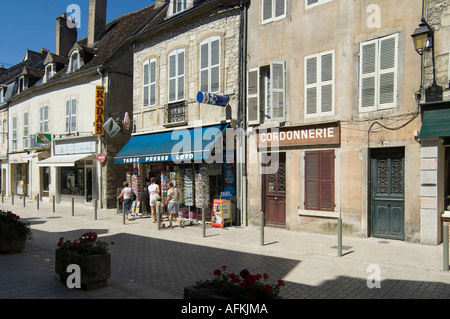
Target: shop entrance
[
  {"x": 275, "y": 195},
  {"x": 387, "y": 193}
]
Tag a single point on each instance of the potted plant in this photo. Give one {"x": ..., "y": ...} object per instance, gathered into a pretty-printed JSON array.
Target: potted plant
[
  {"x": 90, "y": 255},
  {"x": 13, "y": 232},
  {"x": 225, "y": 285}
]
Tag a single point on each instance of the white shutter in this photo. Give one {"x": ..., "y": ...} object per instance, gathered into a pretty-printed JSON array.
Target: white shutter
[
  {"x": 210, "y": 65},
  {"x": 388, "y": 72},
  {"x": 253, "y": 99},
  {"x": 68, "y": 116},
  {"x": 278, "y": 90},
  {"x": 146, "y": 87},
  {"x": 152, "y": 82},
  {"x": 368, "y": 76},
  {"x": 73, "y": 122},
  {"x": 215, "y": 65},
  {"x": 311, "y": 85},
  {"x": 204, "y": 65},
  {"x": 327, "y": 83},
  {"x": 181, "y": 74}
]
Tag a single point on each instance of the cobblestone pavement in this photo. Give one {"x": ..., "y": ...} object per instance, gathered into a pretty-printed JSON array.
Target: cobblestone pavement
[{"x": 148, "y": 263}]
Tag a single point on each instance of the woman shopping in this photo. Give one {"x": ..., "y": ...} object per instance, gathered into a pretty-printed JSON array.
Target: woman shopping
[
  {"x": 126, "y": 194},
  {"x": 154, "y": 196},
  {"x": 172, "y": 204}
]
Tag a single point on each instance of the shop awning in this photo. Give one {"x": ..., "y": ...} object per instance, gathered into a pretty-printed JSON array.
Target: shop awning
[
  {"x": 64, "y": 160},
  {"x": 435, "y": 120},
  {"x": 177, "y": 146}
]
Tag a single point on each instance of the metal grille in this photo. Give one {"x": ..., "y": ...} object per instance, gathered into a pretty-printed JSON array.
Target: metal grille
[
  {"x": 282, "y": 177},
  {"x": 176, "y": 112},
  {"x": 397, "y": 176},
  {"x": 382, "y": 176}
]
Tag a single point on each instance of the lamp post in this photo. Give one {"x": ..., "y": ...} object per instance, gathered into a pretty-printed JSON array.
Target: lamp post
[{"x": 423, "y": 38}]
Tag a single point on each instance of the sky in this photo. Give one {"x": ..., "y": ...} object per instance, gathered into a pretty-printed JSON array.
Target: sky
[{"x": 31, "y": 24}]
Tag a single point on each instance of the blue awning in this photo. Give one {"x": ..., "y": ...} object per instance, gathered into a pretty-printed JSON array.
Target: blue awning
[{"x": 187, "y": 145}]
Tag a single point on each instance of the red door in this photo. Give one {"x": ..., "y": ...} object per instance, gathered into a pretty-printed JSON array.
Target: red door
[{"x": 275, "y": 195}]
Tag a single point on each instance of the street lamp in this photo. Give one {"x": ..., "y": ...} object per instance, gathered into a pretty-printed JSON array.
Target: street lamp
[{"x": 423, "y": 38}]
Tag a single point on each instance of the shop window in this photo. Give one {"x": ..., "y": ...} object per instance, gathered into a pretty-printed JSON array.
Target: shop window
[
  {"x": 266, "y": 93},
  {"x": 72, "y": 181},
  {"x": 149, "y": 91},
  {"x": 319, "y": 84},
  {"x": 273, "y": 10},
  {"x": 210, "y": 65},
  {"x": 176, "y": 75},
  {"x": 319, "y": 180},
  {"x": 378, "y": 74}
]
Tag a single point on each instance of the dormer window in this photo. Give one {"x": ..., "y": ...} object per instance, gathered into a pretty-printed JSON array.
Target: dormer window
[
  {"x": 2, "y": 94},
  {"x": 49, "y": 72},
  {"x": 21, "y": 84},
  {"x": 179, "y": 5},
  {"x": 74, "y": 63}
]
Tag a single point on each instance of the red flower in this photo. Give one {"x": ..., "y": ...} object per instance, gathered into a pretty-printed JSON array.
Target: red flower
[
  {"x": 112, "y": 243},
  {"x": 267, "y": 288},
  {"x": 266, "y": 276},
  {"x": 257, "y": 277},
  {"x": 281, "y": 283},
  {"x": 217, "y": 272}
]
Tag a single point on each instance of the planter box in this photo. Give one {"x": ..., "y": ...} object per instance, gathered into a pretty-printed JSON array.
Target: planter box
[
  {"x": 95, "y": 269},
  {"x": 9, "y": 243}
]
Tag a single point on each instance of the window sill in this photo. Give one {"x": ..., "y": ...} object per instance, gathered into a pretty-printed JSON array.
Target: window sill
[
  {"x": 318, "y": 213},
  {"x": 183, "y": 123}
]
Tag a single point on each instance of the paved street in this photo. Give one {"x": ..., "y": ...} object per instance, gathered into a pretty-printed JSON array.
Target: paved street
[{"x": 152, "y": 264}]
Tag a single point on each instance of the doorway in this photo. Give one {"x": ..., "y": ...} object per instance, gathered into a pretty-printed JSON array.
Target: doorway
[
  {"x": 387, "y": 193},
  {"x": 275, "y": 195}
]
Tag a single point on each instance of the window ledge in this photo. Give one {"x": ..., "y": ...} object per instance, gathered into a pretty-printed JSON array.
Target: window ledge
[
  {"x": 183, "y": 123},
  {"x": 318, "y": 213}
]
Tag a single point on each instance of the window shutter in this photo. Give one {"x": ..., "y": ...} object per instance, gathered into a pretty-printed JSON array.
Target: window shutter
[
  {"x": 146, "y": 91},
  {"x": 73, "y": 122},
  {"x": 172, "y": 77},
  {"x": 278, "y": 87},
  {"x": 253, "y": 100},
  {"x": 280, "y": 8},
  {"x": 45, "y": 119},
  {"x": 215, "y": 66},
  {"x": 267, "y": 10},
  {"x": 312, "y": 180},
  {"x": 152, "y": 93},
  {"x": 327, "y": 180},
  {"x": 204, "y": 49},
  {"x": 180, "y": 90},
  {"x": 327, "y": 83},
  {"x": 311, "y": 85},
  {"x": 67, "y": 116},
  {"x": 387, "y": 71},
  {"x": 368, "y": 69}
]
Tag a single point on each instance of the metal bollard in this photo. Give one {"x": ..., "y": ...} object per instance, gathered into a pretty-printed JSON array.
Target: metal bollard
[
  {"x": 12, "y": 199},
  {"x": 445, "y": 246},
  {"x": 262, "y": 224},
  {"x": 37, "y": 201},
  {"x": 339, "y": 245},
  {"x": 95, "y": 209},
  {"x": 54, "y": 203},
  {"x": 158, "y": 216},
  {"x": 3, "y": 198},
  {"x": 73, "y": 206},
  {"x": 24, "y": 198},
  {"x": 203, "y": 222},
  {"x": 118, "y": 206}
]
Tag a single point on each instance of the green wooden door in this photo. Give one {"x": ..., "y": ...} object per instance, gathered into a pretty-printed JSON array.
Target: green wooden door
[{"x": 387, "y": 193}]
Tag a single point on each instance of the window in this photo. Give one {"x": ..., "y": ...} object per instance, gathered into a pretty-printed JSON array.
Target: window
[
  {"x": 43, "y": 122},
  {"x": 2, "y": 95},
  {"x": 26, "y": 134},
  {"x": 176, "y": 75},
  {"x": 319, "y": 180},
  {"x": 71, "y": 115},
  {"x": 48, "y": 72},
  {"x": 149, "y": 83},
  {"x": 319, "y": 84},
  {"x": 74, "y": 62},
  {"x": 273, "y": 10},
  {"x": 21, "y": 84},
  {"x": 14, "y": 134},
  {"x": 267, "y": 90},
  {"x": 210, "y": 65},
  {"x": 313, "y": 3},
  {"x": 179, "y": 5},
  {"x": 378, "y": 74}
]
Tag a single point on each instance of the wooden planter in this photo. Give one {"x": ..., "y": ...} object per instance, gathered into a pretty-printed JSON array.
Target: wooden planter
[
  {"x": 9, "y": 242},
  {"x": 95, "y": 269}
]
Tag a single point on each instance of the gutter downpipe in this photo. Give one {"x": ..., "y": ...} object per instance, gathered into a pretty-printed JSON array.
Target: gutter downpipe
[{"x": 245, "y": 4}]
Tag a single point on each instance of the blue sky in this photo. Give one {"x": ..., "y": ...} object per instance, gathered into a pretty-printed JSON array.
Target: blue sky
[{"x": 31, "y": 24}]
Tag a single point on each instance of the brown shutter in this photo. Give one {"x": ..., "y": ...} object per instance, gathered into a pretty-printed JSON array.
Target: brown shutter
[
  {"x": 312, "y": 180},
  {"x": 327, "y": 180}
]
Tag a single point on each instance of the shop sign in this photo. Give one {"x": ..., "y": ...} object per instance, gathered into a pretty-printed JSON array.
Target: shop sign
[
  {"x": 111, "y": 127},
  {"x": 99, "y": 109},
  {"x": 213, "y": 99},
  {"x": 319, "y": 134},
  {"x": 43, "y": 138}
]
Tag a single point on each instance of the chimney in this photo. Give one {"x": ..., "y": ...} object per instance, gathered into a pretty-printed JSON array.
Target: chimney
[
  {"x": 65, "y": 36},
  {"x": 97, "y": 21}
]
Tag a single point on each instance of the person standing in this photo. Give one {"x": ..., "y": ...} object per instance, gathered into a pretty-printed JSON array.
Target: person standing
[
  {"x": 154, "y": 195},
  {"x": 126, "y": 194},
  {"x": 172, "y": 204}
]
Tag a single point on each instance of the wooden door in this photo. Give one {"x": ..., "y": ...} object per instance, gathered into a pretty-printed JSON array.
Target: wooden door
[{"x": 275, "y": 195}]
